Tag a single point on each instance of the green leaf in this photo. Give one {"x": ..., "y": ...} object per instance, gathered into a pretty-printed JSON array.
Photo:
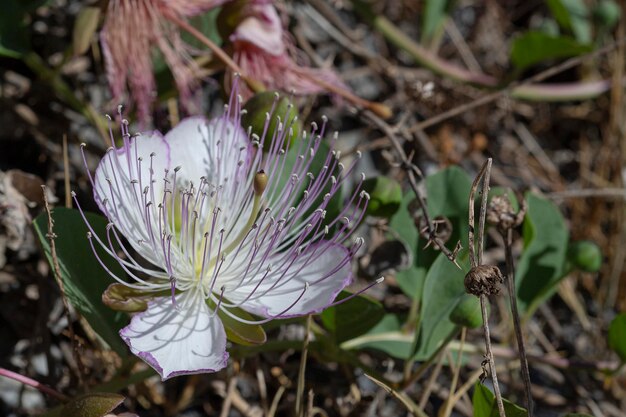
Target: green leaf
[
  {"x": 467, "y": 312},
  {"x": 448, "y": 193},
  {"x": 84, "y": 279},
  {"x": 607, "y": 14},
  {"x": 435, "y": 281},
  {"x": 485, "y": 404},
  {"x": 85, "y": 27},
  {"x": 617, "y": 336},
  {"x": 572, "y": 16},
  {"x": 386, "y": 336},
  {"x": 353, "y": 317},
  {"x": 385, "y": 196},
  {"x": 542, "y": 263},
  {"x": 434, "y": 15},
  {"x": 411, "y": 279},
  {"x": 95, "y": 404},
  {"x": 242, "y": 333},
  {"x": 207, "y": 24},
  {"x": 534, "y": 47},
  {"x": 14, "y": 32},
  {"x": 443, "y": 289}
]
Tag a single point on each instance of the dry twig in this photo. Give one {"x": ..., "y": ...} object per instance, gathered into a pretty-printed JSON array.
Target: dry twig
[
  {"x": 57, "y": 275},
  {"x": 482, "y": 280}
]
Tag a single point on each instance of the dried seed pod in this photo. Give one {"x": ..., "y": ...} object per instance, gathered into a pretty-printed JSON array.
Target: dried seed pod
[
  {"x": 483, "y": 279},
  {"x": 501, "y": 214}
]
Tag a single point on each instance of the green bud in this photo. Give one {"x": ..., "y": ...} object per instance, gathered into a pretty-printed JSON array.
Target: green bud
[
  {"x": 257, "y": 108},
  {"x": 585, "y": 255},
  {"x": 467, "y": 312},
  {"x": 385, "y": 196},
  {"x": 85, "y": 28},
  {"x": 607, "y": 13},
  {"x": 119, "y": 297},
  {"x": 230, "y": 15}
]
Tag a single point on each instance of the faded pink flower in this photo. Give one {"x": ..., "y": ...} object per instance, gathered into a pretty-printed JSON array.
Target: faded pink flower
[
  {"x": 265, "y": 52},
  {"x": 131, "y": 29}
]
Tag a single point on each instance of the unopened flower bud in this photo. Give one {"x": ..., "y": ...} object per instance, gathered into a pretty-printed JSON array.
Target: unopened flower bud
[{"x": 260, "y": 182}]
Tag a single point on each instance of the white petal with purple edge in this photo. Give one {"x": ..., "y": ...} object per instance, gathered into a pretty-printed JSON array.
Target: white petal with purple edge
[
  {"x": 181, "y": 340},
  {"x": 324, "y": 267}
]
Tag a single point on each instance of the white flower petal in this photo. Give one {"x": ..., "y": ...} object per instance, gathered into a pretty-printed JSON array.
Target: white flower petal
[
  {"x": 207, "y": 149},
  {"x": 326, "y": 272},
  {"x": 264, "y": 31},
  {"x": 120, "y": 181},
  {"x": 219, "y": 151},
  {"x": 181, "y": 340}
]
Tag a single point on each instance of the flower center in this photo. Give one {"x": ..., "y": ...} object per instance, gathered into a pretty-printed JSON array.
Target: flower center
[{"x": 206, "y": 263}]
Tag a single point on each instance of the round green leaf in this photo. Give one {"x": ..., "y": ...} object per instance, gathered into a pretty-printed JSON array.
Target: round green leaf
[
  {"x": 484, "y": 403},
  {"x": 95, "y": 404},
  {"x": 617, "y": 336},
  {"x": 353, "y": 317},
  {"x": 467, "y": 312},
  {"x": 385, "y": 196}
]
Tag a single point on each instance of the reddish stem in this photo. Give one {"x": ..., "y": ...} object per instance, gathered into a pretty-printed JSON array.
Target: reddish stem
[{"x": 31, "y": 382}]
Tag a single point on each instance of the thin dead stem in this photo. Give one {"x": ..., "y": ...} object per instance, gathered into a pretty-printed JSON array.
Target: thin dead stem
[
  {"x": 489, "y": 354},
  {"x": 476, "y": 260},
  {"x": 448, "y": 404},
  {"x": 413, "y": 172},
  {"x": 413, "y": 408},
  {"x": 219, "y": 52},
  {"x": 510, "y": 274},
  {"x": 66, "y": 174},
  {"x": 228, "y": 400},
  {"x": 57, "y": 275}
]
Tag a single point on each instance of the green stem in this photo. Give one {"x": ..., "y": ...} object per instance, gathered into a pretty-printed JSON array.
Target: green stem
[
  {"x": 562, "y": 91},
  {"x": 302, "y": 370}
]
